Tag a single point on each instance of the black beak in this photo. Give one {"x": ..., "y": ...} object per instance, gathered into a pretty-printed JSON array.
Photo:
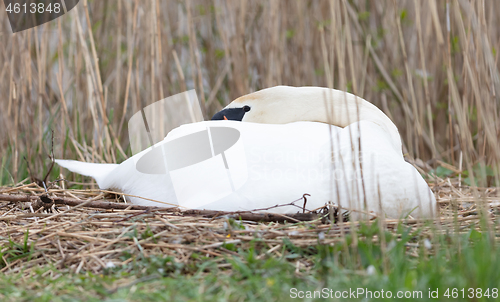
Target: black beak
[{"x": 233, "y": 114}]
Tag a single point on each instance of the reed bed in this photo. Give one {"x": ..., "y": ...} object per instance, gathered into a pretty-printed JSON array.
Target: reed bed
[{"x": 432, "y": 67}]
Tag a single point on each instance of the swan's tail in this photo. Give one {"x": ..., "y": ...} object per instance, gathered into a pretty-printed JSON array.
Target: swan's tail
[{"x": 99, "y": 172}]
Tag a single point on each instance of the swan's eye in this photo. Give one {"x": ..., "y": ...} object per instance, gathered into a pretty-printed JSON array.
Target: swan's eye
[{"x": 246, "y": 108}]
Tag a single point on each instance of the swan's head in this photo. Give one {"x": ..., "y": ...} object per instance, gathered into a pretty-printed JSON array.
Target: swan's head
[
  {"x": 277, "y": 105},
  {"x": 232, "y": 114},
  {"x": 257, "y": 107},
  {"x": 285, "y": 104}
]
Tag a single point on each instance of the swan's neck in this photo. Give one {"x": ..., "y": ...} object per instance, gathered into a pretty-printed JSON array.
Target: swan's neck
[
  {"x": 325, "y": 105},
  {"x": 284, "y": 104}
]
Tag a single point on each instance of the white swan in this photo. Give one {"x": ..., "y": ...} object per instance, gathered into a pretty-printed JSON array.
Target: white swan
[{"x": 276, "y": 158}]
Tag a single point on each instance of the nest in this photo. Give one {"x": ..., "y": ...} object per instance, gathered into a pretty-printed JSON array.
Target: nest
[{"x": 91, "y": 230}]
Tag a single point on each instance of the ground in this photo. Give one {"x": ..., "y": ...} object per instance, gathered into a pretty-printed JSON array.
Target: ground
[{"x": 90, "y": 254}]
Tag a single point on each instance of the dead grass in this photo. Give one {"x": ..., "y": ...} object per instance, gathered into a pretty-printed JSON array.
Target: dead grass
[{"x": 81, "y": 239}]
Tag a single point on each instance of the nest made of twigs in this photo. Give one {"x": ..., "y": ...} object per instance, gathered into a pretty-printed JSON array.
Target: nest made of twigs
[{"x": 90, "y": 230}]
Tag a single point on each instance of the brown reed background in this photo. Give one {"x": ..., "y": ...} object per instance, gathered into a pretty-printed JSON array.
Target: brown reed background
[{"x": 432, "y": 66}]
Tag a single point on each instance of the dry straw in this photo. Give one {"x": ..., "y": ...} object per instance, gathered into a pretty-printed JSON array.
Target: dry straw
[{"x": 83, "y": 238}]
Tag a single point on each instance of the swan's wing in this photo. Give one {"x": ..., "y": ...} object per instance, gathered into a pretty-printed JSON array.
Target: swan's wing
[
  {"x": 279, "y": 163},
  {"x": 387, "y": 180},
  {"x": 283, "y": 162}
]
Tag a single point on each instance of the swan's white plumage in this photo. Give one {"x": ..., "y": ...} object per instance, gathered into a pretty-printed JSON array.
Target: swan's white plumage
[
  {"x": 286, "y": 104},
  {"x": 99, "y": 172},
  {"x": 286, "y": 161}
]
